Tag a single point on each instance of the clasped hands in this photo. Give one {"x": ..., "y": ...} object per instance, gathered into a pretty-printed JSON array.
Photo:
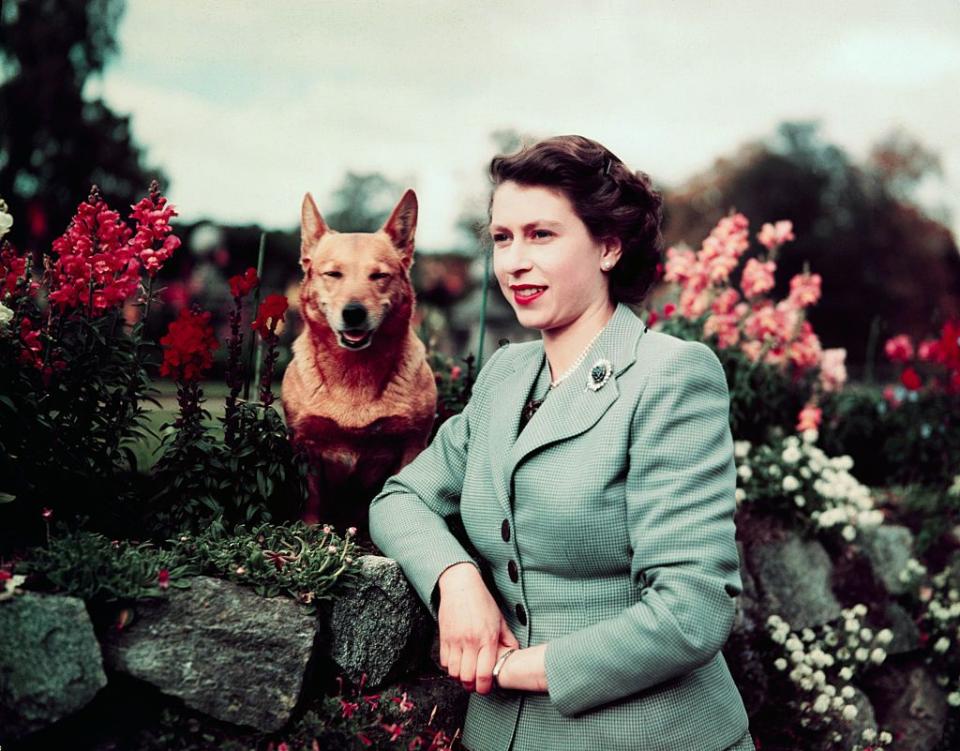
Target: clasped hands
[{"x": 474, "y": 633}]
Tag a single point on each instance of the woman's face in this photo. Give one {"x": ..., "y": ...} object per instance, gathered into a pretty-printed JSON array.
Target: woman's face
[{"x": 538, "y": 240}]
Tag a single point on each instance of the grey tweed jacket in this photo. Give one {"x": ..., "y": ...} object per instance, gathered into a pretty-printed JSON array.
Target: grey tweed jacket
[{"x": 605, "y": 529}]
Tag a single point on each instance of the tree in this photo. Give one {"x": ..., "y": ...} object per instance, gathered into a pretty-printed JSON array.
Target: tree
[{"x": 54, "y": 144}]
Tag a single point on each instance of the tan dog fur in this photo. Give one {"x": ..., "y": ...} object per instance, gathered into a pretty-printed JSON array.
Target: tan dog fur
[{"x": 361, "y": 414}]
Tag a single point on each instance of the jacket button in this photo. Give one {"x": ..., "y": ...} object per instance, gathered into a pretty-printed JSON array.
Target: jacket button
[
  {"x": 521, "y": 615},
  {"x": 512, "y": 570},
  {"x": 505, "y": 530}
]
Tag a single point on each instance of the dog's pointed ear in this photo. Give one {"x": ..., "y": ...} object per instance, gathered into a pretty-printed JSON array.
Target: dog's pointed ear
[
  {"x": 402, "y": 225},
  {"x": 312, "y": 228}
]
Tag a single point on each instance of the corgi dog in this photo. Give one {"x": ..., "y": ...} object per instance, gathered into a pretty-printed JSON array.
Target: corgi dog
[{"x": 358, "y": 396}]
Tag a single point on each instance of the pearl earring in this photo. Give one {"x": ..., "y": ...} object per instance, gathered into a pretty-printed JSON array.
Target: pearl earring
[{"x": 606, "y": 266}]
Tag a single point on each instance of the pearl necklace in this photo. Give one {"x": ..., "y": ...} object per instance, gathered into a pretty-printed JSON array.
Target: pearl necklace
[{"x": 576, "y": 363}]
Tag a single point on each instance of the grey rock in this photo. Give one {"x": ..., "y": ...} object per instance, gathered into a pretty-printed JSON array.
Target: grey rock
[
  {"x": 380, "y": 627},
  {"x": 908, "y": 701},
  {"x": 222, "y": 649},
  {"x": 793, "y": 577},
  {"x": 50, "y": 662},
  {"x": 906, "y": 635},
  {"x": 889, "y": 547}
]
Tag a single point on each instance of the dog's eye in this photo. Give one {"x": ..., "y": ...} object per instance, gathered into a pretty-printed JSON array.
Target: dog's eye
[
  {"x": 379, "y": 275},
  {"x": 334, "y": 274}
]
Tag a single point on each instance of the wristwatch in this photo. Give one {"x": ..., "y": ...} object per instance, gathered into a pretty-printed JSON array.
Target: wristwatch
[{"x": 499, "y": 664}]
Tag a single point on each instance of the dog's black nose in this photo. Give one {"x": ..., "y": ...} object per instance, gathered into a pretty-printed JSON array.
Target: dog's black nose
[{"x": 354, "y": 314}]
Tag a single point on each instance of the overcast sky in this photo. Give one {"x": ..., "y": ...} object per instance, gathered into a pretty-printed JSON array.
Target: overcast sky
[{"x": 248, "y": 105}]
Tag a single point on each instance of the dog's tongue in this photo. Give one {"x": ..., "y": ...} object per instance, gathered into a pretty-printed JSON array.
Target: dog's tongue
[{"x": 354, "y": 337}]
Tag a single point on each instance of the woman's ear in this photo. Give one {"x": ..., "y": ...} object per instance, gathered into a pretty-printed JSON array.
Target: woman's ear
[{"x": 612, "y": 250}]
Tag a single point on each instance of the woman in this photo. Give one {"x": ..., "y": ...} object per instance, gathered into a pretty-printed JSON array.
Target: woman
[{"x": 592, "y": 472}]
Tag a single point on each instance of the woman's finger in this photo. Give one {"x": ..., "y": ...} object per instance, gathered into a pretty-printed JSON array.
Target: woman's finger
[
  {"x": 453, "y": 666},
  {"x": 444, "y": 652},
  {"x": 468, "y": 667},
  {"x": 486, "y": 658},
  {"x": 506, "y": 635}
]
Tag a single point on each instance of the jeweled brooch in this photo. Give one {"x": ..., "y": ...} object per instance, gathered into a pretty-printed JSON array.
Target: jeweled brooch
[{"x": 599, "y": 374}]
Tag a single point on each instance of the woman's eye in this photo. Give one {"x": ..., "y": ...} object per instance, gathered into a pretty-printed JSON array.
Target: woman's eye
[
  {"x": 498, "y": 237},
  {"x": 542, "y": 232}
]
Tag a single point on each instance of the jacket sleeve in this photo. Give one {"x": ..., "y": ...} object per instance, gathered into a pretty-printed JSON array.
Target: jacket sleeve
[
  {"x": 680, "y": 514},
  {"x": 408, "y": 518}
]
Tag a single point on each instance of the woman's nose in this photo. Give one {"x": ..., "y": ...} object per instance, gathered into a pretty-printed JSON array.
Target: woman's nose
[{"x": 514, "y": 256}]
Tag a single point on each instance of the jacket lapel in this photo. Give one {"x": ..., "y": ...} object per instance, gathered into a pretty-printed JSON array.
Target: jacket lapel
[{"x": 566, "y": 412}]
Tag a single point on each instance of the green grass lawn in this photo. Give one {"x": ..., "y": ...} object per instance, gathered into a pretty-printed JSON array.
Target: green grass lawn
[{"x": 214, "y": 397}]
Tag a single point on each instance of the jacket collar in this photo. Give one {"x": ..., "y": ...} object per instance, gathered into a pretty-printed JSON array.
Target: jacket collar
[{"x": 566, "y": 412}]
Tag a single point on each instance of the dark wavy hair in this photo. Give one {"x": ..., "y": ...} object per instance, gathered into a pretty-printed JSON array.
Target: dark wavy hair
[{"x": 610, "y": 199}]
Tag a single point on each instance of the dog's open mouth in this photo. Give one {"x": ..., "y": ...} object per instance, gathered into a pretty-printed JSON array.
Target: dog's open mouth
[{"x": 355, "y": 338}]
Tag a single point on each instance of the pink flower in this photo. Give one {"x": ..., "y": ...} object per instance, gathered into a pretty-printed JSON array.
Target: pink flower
[
  {"x": 455, "y": 372},
  {"x": 47, "y": 513},
  {"x": 928, "y": 350},
  {"x": 773, "y": 235},
  {"x": 805, "y": 290},
  {"x": 347, "y": 708},
  {"x": 809, "y": 418},
  {"x": 669, "y": 309},
  {"x": 757, "y": 277},
  {"x": 833, "y": 371},
  {"x": 163, "y": 579},
  {"x": 899, "y": 348},
  {"x": 890, "y": 394}
]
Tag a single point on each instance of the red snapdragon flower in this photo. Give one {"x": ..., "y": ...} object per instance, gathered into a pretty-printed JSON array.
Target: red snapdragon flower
[
  {"x": 153, "y": 242},
  {"x": 188, "y": 346},
  {"x": 163, "y": 579},
  {"x": 98, "y": 258},
  {"x": 242, "y": 285},
  {"x": 270, "y": 314},
  {"x": 911, "y": 379}
]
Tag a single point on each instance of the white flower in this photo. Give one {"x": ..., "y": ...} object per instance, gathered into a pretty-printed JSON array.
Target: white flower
[
  {"x": 805, "y": 473},
  {"x": 849, "y": 533},
  {"x": 866, "y": 634},
  {"x": 780, "y": 663},
  {"x": 868, "y": 734},
  {"x": 791, "y": 455},
  {"x": 822, "y": 704},
  {"x": 6, "y": 221},
  {"x": 740, "y": 495},
  {"x": 878, "y": 655},
  {"x": 809, "y": 435},
  {"x": 847, "y": 692},
  {"x": 955, "y": 488},
  {"x": 885, "y": 736},
  {"x": 790, "y": 483},
  {"x": 862, "y": 654},
  {"x": 793, "y": 644},
  {"x": 942, "y": 645},
  {"x": 745, "y": 472},
  {"x": 849, "y": 712},
  {"x": 953, "y": 698},
  {"x": 799, "y": 500},
  {"x": 774, "y": 470},
  {"x": 885, "y": 636},
  {"x": 808, "y": 635},
  {"x": 860, "y": 609},
  {"x": 741, "y": 449},
  {"x": 6, "y": 315}
]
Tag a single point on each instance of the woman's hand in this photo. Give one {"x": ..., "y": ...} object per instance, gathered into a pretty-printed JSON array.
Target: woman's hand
[
  {"x": 524, "y": 670},
  {"x": 472, "y": 628}
]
